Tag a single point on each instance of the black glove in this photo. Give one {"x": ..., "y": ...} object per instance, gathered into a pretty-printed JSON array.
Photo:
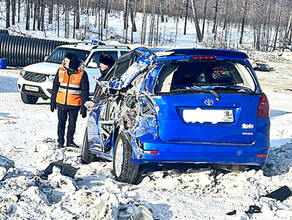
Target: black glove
[
  {"x": 83, "y": 111},
  {"x": 53, "y": 105}
]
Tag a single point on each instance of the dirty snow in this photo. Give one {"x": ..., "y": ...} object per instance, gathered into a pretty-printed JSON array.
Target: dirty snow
[{"x": 28, "y": 146}]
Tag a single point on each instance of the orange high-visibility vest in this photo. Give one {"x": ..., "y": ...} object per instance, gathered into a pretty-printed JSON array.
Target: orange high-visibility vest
[{"x": 69, "y": 92}]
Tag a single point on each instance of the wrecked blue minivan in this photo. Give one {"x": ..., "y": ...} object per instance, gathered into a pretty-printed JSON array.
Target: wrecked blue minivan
[{"x": 202, "y": 106}]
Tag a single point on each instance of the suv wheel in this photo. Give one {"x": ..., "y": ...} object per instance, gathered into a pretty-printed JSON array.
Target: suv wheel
[
  {"x": 124, "y": 169},
  {"x": 29, "y": 99},
  {"x": 86, "y": 156}
]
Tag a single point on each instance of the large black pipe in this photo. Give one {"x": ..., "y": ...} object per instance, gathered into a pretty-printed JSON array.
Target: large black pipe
[
  {"x": 2, "y": 31},
  {"x": 21, "y": 51}
]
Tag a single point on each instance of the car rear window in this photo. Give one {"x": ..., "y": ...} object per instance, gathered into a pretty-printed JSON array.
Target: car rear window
[
  {"x": 177, "y": 76},
  {"x": 58, "y": 55}
]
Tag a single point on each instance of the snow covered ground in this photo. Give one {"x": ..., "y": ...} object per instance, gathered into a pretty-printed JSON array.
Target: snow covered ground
[{"x": 28, "y": 140}]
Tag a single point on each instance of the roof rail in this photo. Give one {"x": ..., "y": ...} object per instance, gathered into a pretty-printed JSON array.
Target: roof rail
[{"x": 112, "y": 46}]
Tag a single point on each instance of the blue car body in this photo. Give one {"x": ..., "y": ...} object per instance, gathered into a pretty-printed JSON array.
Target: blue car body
[{"x": 210, "y": 121}]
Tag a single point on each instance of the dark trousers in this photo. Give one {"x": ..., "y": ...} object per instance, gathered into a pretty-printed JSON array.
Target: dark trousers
[{"x": 63, "y": 112}]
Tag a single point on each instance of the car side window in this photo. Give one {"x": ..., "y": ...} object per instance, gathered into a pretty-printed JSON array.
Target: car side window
[{"x": 95, "y": 56}]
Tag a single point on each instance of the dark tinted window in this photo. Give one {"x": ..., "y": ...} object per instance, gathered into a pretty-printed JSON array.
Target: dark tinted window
[
  {"x": 176, "y": 76},
  {"x": 95, "y": 56},
  {"x": 58, "y": 55},
  {"x": 124, "y": 52}
]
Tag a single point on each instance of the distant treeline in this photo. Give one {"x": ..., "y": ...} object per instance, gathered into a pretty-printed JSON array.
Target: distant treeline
[{"x": 269, "y": 20}]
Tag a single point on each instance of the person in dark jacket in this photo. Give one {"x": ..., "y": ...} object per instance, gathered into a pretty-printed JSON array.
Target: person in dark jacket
[
  {"x": 70, "y": 92},
  {"x": 106, "y": 62}
]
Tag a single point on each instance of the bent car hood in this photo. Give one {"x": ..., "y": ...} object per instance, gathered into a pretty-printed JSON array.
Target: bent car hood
[{"x": 44, "y": 67}]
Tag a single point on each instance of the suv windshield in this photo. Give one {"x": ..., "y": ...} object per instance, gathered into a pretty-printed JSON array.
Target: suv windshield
[
  {"x": 58, "y": 55},
  {"x": 212, "y": 74}
]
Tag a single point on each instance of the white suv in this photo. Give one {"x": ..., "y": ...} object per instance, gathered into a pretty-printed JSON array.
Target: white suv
[{"x": 36, "y": 80}]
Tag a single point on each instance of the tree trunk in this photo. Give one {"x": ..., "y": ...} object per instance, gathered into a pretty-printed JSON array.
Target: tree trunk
[
  {"x": 58, "y": 19},
  {"x": 133, "y": 15},
  {"x": 38, "y": 14},
  {"x": 194, "y": 10},
  {"x": 126, "y": 8},
  {"x": 42, "y": 15},
  {"x": 144, "y": 24},
  {"x": 157, "y": 34},
  {"x": 244, "y": 6},
  {"x": 288, "y": 31},
  {"x": 34, "y": 15},
  {"x": 215, "y": 17},
  {"x": 27, "y": 15},
  {"x": 151, "y": 27},
  {"x": 186, "y": 17},
  {"x": 204, "y": 19},
  {"x": 18, "y": 11},
  {"x": 74, "y": 21},
  {"x": 7, "y": 13},
  {"x": 279, "y": 18},
  {"x": 50, "y": 10},
  {"x": 66, "y": 9},
  {"x": 268, "y": 25},
  {"x": 78, "y": 15},
  {"x": 105, "y": 14},
  {"x": 13, "y": 11}
]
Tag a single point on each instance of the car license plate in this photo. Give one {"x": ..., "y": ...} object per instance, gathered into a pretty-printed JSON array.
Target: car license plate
[
  {"x": 31, "y": 88},
  {"x": 207, "y": 116}
]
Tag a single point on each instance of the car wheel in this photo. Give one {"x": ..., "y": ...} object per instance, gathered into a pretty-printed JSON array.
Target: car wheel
[
  {"x": 86, "y": 156},
  {"x": 124, "y": 169},
  {"x": 29, "y": 99}
]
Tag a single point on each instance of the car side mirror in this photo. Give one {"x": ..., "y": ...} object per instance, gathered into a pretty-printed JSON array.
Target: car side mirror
[{"x": 92, "y": 64}]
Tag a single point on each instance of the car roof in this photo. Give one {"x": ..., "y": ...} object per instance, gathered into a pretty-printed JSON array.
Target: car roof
[
  {"x": 166, "y": 52},
  {"x": 89, "y": 47}
]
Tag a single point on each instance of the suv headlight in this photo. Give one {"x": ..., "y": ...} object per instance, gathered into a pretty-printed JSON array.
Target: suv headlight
[
  {"x": 50, "y": 78},
  {"x": 22, "y": 73}
]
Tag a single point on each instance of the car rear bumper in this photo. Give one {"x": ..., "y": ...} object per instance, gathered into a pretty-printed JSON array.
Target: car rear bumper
[{"x": 253, "y": 154}]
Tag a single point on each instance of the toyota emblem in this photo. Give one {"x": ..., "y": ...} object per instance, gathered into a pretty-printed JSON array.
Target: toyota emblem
[{"x": 209, "y": 102}]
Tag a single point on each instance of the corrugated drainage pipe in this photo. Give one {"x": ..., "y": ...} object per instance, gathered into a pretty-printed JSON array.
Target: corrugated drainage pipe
[{"x": 21, "y": 51}]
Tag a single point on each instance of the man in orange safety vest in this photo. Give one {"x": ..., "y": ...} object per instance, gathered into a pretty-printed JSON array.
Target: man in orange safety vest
[{"x": 70, "y": 92}]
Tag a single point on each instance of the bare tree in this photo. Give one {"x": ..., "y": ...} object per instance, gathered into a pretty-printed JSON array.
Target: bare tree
[
  {"x": 279, "y": 19},
  {"x": 204, "y": 18},
  {"x": 126, "y": 25},
  {"x": 244, "y": 7},
  {"x": 27, "y": 14},
  {"x": 144, "y": 24},
  {"x": 186, "y": 17},
  {"x": 133, "y": 8},
  {"x": 13, "y": 11},
  {"x": 7, "y": 13},
  {"x": 196, "y": 20},
  {"x": 66, "y": 10}
]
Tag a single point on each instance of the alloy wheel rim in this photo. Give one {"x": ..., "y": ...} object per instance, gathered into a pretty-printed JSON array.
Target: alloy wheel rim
[{"x": 119, "y": 158}]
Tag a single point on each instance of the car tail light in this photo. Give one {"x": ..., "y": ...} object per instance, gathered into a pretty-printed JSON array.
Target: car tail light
[
  {"x": 202, "y": 58},
  {"x": 264, "y": 108}
]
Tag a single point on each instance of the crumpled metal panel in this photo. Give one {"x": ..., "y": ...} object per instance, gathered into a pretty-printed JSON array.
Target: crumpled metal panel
[{"x": 134, "y": 70}]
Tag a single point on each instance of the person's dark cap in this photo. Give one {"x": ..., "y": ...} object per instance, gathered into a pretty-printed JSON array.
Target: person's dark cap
[
  {"x": 106, "y": 59},
  {"x": 71, "y": 55},
  {"x": 74, "y": 61}
]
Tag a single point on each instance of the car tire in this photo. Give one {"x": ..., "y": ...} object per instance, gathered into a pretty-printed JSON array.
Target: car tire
[
  {"x": 86, "y": 156},
  {"x": 29, "y": 99},
  {"x": 123, "y": 167}
]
